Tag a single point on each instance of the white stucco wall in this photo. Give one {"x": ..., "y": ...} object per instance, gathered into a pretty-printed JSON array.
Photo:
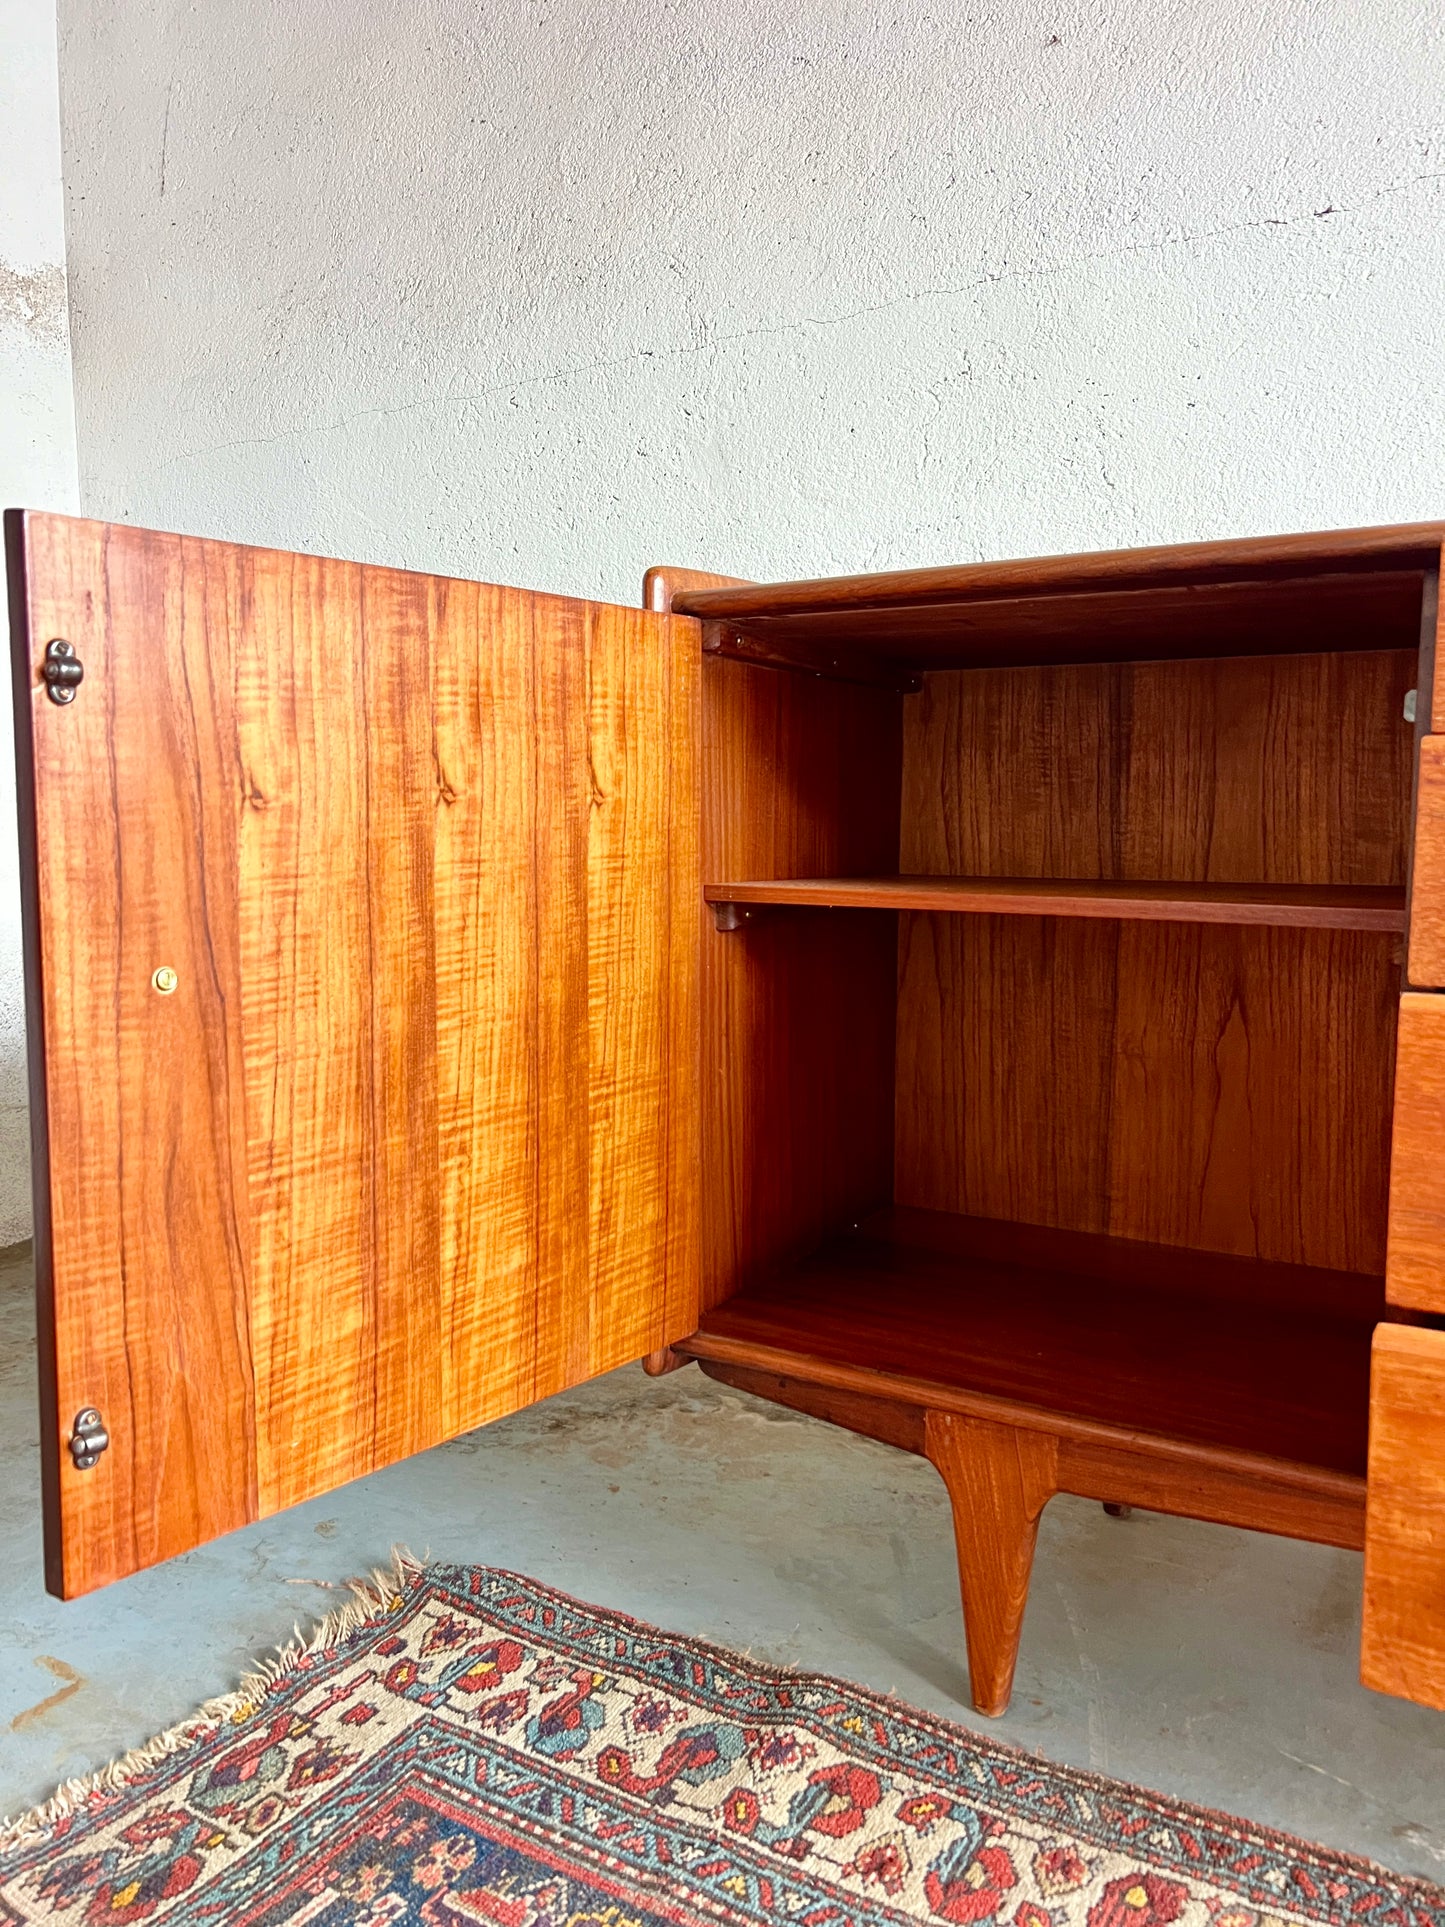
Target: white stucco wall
[
  {"x": 37, "y": 465},
  {"x": 544, "y": 291}
]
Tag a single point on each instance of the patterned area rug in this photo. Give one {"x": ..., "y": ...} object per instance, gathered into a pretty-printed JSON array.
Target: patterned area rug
[{"x": 464, "y": 1748}]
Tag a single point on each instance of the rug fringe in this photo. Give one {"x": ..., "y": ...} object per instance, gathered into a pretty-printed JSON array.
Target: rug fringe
[{"x": 372, "y": 1599}]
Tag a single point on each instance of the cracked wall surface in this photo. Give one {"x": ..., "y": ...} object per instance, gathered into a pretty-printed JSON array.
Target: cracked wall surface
[{"x": 37, "y": 467}]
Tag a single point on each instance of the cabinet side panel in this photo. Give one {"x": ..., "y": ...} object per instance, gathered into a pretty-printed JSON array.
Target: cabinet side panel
[
  {"x": 800, "y": 777},
  {"x": 1402, "y": 1646}
]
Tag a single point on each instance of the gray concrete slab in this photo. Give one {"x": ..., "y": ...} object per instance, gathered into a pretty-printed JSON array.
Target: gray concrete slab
[{"x": 1203, "y": 1662}]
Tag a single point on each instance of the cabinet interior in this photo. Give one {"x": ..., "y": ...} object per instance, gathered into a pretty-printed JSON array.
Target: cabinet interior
[{"x": 1117, "y": 1145}]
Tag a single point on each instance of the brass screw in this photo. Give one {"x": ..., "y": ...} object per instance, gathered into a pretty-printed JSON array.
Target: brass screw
[{"x": 165, "y": 980}]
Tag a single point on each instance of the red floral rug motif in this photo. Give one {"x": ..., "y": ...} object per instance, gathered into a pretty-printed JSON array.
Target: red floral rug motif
[{"x": 466, "y": 1748}]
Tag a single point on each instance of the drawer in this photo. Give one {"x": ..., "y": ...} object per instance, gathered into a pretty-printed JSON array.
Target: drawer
[
  {"x": 1402, "y": 1648},
  {"x": 1427, "y": 868},
  {"x": 1415, "y": 1259}
]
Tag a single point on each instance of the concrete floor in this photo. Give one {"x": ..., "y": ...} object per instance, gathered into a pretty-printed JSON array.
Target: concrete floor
[{"x": 1213, "y": 1664}]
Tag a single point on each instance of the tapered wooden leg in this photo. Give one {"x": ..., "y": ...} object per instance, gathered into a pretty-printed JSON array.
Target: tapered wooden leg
[{"x": 999, "y": 1480}]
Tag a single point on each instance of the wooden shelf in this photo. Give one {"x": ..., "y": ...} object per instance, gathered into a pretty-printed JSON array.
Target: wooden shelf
[
  {"x": 1227, "y": 1353},
  {"x": 1296, "y": 905}
]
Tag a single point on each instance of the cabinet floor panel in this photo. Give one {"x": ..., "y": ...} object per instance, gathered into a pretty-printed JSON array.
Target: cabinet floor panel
[
  {"x": 1319, "y": 906},
  {"x": 1219, "y": 1351}
]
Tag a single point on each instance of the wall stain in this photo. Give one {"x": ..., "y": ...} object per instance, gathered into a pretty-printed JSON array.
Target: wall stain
[
  {"x": 61, "y": 1671},
  {"x": 33, "y": 299}
]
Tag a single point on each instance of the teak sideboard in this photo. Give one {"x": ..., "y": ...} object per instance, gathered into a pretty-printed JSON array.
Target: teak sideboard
[{"x": 999, "y": 1009}]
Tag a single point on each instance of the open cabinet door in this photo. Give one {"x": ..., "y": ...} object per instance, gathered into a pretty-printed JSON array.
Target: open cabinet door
[{"x": 361, "y": 937}]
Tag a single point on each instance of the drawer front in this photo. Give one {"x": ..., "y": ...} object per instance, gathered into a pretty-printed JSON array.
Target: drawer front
[
  {"x": 1415, "y": 1259},
  {"x": 1426, "y": 964},
  {"x": 1402, "y": 1646}
]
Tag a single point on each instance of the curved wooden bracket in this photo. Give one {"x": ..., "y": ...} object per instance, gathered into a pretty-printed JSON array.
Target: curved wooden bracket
[{"x": 659, "y": 1363}]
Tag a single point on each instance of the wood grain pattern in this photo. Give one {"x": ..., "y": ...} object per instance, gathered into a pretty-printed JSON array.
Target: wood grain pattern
[
  {"x": 1431, "y": 711},
  {"x": 1425, "y": 967},
  {"x": 820, "y": 651},
  {"x": 1425, "y": 700},
  {"x": 1292, "y": 1502},
  {"x": 413, "y": 1143},
  {"x": 1060, "y": 1329},
  {"x": 1305, "y": 906},
  {"x": 1402, "y": 1647},
  {"x": 1226, "y": 1088},
  {"x": 660, "y": 1363},
  {"x": 1342, "y": 590},
  {"x": 1215, "y": 1095},
  {"x": 1130, "y": 1265},
  {"x": 1278, "y": 770},
  {"x": 661, "y": 585},
  {"x": 335, "y": 1014},
  {"x": 1159, "y": 623},
  {"x": 1249, "y": 1093},
  {"x": 999, "y": 1481},
  {"x": 1249, "y": 559},
  {"x": 142, "y": 1256},
  {"x": 1200, "y": 1467},
  {"x": 797, "y": 1014},
  {"x": 1232, "y": 1489},
  {"x": 1415, "y": 1258}
]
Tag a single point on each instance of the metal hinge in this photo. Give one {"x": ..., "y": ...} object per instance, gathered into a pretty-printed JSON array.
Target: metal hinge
[
  {"x": 63, "y": 671},
  {"x": 88, "y": 1438}
]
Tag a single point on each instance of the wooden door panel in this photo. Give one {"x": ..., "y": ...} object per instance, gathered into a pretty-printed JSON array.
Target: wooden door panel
[
  {"x": 411, "y": 1143},
  {"x": 1403, "y": 1641}
]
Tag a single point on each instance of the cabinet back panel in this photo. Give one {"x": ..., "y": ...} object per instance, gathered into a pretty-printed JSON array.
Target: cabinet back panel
[
  {"x": 800, "y": 777},
  {"x": 1221, "y": 1088},
  {"x": 1280, "y": 769}
]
